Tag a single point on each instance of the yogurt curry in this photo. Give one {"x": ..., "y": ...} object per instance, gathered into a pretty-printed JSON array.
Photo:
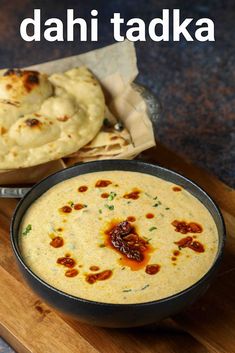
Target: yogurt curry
[{"x": 118, "y": 237}]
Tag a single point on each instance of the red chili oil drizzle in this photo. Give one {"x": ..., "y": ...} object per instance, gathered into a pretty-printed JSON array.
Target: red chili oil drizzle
[
  {"x": 101, "y": 276},
  {"x": 174, "y": 258},
  {"x": 152, "y": 269},
  {"x": 66, "y": 261},
  {"x": 134, "y": 195},
  {"x": 82, "y": 188},
  {"x": 176, "y": 252},
  {"x": 123, "y": 237},
  {"x": 94, "y": 268},
  {"x": 131, "y": 219},
  {"x": 71, "y": 273},
  {"x": 66, "y": 209},
  {"x": 105, "y": 195},
  {"x": 188, "y": 242},
  {"x": 176, "y": 188},
  {"x": 102, "y": 183},
  {"x": 78, "y": 206},
  {"x": 57, "y": 242},
  {"x": 184, "y": 227},
  {"x": 149, "y": 215}
]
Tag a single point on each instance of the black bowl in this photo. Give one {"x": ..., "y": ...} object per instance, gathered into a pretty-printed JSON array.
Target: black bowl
[{"x": 116, "y": 315}]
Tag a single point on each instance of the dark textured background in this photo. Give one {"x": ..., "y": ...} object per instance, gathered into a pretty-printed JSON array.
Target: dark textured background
[{"x": 195, "y": 81}]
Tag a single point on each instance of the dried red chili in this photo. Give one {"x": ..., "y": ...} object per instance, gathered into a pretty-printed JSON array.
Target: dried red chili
[{"x": 124, "y": 238}]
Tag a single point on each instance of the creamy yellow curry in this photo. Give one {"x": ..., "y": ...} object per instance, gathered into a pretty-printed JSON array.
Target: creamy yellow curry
[{"x": 118, "y": 237}]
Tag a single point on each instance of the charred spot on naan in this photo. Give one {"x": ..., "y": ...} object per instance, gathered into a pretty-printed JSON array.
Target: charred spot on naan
[
  {"x": 33, "y": 122},
  {"x": 54, "y": 116},
  {"x": 29, "y": 78}
]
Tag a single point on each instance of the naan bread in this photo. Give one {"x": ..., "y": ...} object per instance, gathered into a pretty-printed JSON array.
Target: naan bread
[
  {"x": 108, "y": 143},
  {"x": 45, "y": 118}
]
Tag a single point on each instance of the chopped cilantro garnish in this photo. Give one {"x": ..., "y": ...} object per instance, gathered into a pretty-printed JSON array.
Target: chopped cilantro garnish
[
  {"x": 155, "y": 198},
  {"x": 127, "y": 290},
  {"x": 102, "y": 246},
  {"x": 71, "y": 203},
  {"x": 27, "y": 229},
  {"x": 112, "y": 195},
  {"x": 144, "y": 287},
  {"x": 157, "y": 204},
  {"x": 152, "y": 228},
  {"x": 110, "y": 207},
  {"x": 147, "y": 194},
  {"x": 167, "y": 208},
  {"x": 100, "y": 211}
]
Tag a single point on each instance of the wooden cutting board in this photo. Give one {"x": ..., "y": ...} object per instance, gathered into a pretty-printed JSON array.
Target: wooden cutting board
[{"x": 29, "y": 325}]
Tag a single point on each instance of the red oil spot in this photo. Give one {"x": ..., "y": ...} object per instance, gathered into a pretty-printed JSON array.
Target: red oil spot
[
  {"x": 101, "y": 276},
  {"x": 102, "y": 183},
  {"x": 131, "y": 219},
  {"x": 134, "y": 195},
  {"x": 82, "y": 188},
  {"x": 184, "y": 227},
  {"x": 71, "y": 273},
  {"x": 94, "y": 268},
  {"x": 105, "y": 195},
  {"x": 149, "y": 215},
  {"x": 176, "y": 188},
  {"x": 152, "y": 269},
  {"x": 57, "y": 242},
  {"x": 188, "y": 242},
  {"x": 66, "y": 209},
  {"x": 66, "y": 261},
  {"x": 78, "y": 206}
]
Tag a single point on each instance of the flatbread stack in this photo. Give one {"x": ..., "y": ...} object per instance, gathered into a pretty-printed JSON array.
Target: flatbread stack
[
  {"x": 112, "y": 140},
  {"x": 46, "y": 118}
]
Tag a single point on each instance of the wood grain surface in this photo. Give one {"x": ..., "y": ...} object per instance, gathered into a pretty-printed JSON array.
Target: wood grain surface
[{"x": 29, "y": 325}]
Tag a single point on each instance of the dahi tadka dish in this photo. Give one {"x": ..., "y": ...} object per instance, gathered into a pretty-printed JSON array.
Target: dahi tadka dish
[{"x": 118, "y": 237}]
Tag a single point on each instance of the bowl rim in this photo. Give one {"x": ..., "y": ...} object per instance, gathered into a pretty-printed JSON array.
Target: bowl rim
[{"x": 214, "y": 265}]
